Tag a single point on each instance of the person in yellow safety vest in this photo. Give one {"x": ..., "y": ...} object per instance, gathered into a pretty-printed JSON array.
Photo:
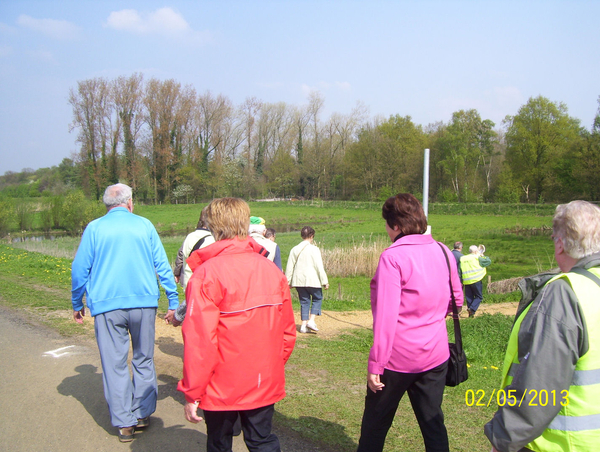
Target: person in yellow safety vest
[
  {"x": 550, "y": 396},
  {"x": 472, "y": 269}
]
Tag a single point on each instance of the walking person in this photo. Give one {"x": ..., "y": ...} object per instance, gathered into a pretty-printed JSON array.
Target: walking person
[
  {"x": 238, "y": 333},
  {"x": 472, "y": 267},
  {"x": 257, "y": 231},
  {"x": 410, "y": 299},
  {"x": 195, "y": 240},
  {"x": 551, "y": 370},
  {"x": 306, "y": 273},
  {"x": 116, "y": 267}
]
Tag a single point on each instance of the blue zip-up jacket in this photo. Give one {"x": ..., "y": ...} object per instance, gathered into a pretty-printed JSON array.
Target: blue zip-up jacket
[{"x": 116, "y": 265}]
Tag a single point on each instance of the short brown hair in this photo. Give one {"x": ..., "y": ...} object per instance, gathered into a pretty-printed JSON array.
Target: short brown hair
[
  {"x": 228, "y": 218},
  {"x": 307, "y": 232},
  {"x": 406, "y": 212},
  {"x": 202, "y": 220}
]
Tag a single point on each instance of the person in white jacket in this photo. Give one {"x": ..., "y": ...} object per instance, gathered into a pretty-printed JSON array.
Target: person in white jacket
[{"x": 306, "y": 273}]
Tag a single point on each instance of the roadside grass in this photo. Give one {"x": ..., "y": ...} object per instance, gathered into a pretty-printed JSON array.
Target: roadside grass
[
  {"x": 326, "y": 378},
  {"x": 42, "y": 283},
  {"x": 326, "y": 385}
]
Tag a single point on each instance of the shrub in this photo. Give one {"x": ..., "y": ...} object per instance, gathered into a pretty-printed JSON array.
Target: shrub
[
  {"x": 24, "y": 213},
  {"x": 7, "y": 213},
  {"x": 79, "y": 211}
]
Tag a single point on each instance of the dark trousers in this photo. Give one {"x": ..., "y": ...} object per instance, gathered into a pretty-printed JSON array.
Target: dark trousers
[
  {"x": 425, "y": 390},
  {"x": 474, "y": 295},
  {"x": 256, "y": 425}
]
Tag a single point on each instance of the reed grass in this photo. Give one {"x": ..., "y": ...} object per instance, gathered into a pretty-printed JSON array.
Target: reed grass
[{"x": 358, "y": 259}]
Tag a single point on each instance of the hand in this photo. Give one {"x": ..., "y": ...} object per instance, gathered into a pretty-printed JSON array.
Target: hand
[
  {"x": 176, "y": 322},
  {"x": 326, "y": 286},
  {"x": 191, "y": 412},
  {"x": 170, "y": 316},
  {"x": 374, "y": 382},
  {"x": 176, "y": 279},
  {"x": 78, "y": 315}
]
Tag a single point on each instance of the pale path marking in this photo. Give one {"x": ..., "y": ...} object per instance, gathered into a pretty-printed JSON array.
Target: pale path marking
[{"x": 56, "y": 353}]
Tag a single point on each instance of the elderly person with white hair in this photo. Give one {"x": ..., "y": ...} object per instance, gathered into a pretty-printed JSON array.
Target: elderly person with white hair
[
  {"x": 257, "y": 231},
  {"x": 551, "y": 375}
]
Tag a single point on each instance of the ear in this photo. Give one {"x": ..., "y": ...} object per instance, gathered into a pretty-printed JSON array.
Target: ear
[
  {"x": 559, "y": 247},
  {"x": 396, "y": 227}
]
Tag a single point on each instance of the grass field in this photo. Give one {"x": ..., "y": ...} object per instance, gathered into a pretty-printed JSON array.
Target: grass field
[{"x": 326, "y": 378}]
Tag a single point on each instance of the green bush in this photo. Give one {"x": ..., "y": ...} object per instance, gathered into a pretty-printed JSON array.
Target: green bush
[
  {"x": 24, "y": 213},
  {"x": 78, "y": 211},
  {"x": 7, "y": 213}
]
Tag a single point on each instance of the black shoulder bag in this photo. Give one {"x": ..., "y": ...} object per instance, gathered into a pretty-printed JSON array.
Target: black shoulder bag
[{"x": 457, "y": 364}]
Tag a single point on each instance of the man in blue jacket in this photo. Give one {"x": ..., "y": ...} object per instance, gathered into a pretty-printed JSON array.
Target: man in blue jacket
[{"x": 116, "y": 266}]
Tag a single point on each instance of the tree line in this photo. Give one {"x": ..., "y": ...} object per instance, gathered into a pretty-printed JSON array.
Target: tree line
[{"x": 173, "y": 144}]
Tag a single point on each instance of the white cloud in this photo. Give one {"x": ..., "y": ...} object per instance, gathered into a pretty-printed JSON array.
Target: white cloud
[
  {"x": 163, "y": 21},
  {"x": 56, "y": 29}
]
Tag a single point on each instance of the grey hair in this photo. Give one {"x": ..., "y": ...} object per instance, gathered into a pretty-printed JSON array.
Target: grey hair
[
  {"x": 257, "y": 228},
  {"x": 473, "y": 249},
  {"x": 116, "y": 195},
  {"x": 578, "y": 225},
  {"x": 458, "y": 245}
]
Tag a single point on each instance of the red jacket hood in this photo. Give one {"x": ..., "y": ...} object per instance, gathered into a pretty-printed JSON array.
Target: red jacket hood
[{"x": 229, "y": 246}]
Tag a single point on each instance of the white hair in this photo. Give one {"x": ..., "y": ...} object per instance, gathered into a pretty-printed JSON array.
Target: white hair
[
  {"x": 578, "y": 225},
  {"x": 116, "y": 195},
  {"x": 259, "y": 228},
  {"x": 473, "y": 249}
]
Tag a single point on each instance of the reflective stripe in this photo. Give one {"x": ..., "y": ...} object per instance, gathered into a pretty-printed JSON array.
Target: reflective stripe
[
  {"x": 576, "y": 423},
  {"x": 586, "y": 377},
  {"x": 251, "y": 308},
  {"x": 580, "y": 377}
]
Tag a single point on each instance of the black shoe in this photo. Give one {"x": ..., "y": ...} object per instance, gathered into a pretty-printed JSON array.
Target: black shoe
[
  {"x": 471, "y": 313},
  {"x": 126, "y": 434},
  {"x": 143, "y": 423}
]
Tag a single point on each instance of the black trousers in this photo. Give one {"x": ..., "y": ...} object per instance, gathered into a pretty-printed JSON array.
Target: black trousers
[
  {"x": 256, "y": 425},
  {"x": 425, "y": 390}
]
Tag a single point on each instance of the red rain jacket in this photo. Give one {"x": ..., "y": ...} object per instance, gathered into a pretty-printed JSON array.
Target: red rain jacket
[{"x": 239, "y": 329}]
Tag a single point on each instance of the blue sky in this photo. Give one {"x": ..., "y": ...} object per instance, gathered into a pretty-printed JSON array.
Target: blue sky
[{"x": 424, "y": 58}]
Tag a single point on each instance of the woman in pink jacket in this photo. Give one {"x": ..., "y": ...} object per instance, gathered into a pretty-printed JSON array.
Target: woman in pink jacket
[{"x": 410, "y": 299}]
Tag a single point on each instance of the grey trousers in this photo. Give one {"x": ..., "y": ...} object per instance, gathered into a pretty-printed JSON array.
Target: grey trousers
[{"x": 132, "y": 397}]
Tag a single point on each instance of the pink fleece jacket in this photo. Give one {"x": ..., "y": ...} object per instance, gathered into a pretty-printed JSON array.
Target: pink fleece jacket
[{"x": 410, "y": 298}]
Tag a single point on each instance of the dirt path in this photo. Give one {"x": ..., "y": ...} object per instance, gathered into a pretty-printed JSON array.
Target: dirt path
[{"x": 51, "y": 394}]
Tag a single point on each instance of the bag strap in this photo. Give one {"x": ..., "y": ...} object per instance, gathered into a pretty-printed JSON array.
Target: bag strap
[{"x": 457, "y": 333}]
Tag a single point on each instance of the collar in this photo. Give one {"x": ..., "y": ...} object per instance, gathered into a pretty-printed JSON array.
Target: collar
[{"x": 223, "y": 247}]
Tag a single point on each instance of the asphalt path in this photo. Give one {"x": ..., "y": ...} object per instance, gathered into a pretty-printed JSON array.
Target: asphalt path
[{"x": 51, "y": 399}]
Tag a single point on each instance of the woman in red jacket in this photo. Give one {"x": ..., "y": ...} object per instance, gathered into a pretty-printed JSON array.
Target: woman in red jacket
[{"x": 238, "y": 333}]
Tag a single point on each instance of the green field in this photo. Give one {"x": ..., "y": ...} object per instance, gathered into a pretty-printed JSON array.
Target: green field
[{"x": 326, "y": 378}]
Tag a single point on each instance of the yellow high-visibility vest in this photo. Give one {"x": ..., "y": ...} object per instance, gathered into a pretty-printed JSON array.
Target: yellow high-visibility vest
[
  {"x": 471, "y": 270},
  {"x": 577, "y": 425}
]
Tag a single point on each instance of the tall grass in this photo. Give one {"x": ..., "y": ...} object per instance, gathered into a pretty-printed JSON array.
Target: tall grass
[{"x": 358, "y": 259}]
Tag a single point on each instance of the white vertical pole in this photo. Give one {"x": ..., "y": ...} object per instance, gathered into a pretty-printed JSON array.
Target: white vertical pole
[
  {"x": 426, "y": 187},
  {"x": 426, "y": 182}
]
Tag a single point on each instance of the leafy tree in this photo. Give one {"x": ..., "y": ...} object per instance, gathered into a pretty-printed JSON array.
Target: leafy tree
[
  {"x": 389, "y": 155},
  {"x": 467, "y": 150},
  {"x": 537, "y": 138},
  {"x": 91, "y": 111}
]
